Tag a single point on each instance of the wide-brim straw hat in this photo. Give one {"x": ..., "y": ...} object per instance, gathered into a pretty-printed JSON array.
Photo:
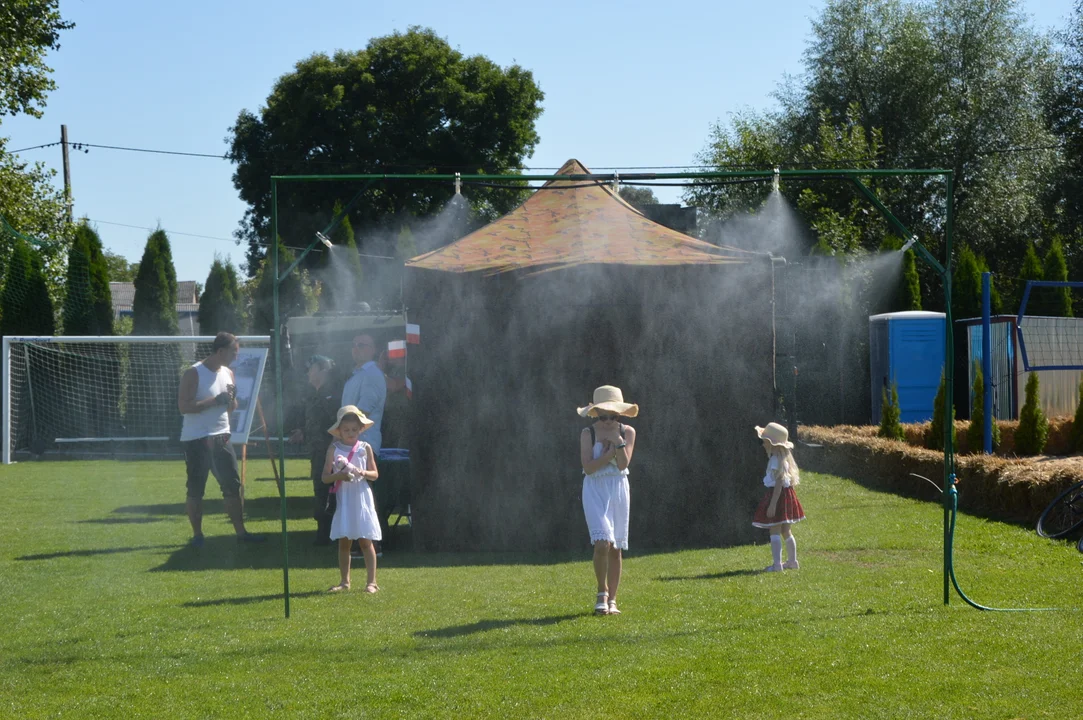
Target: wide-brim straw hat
[
  {"x": 610, "y": 398},
  {"x": 775, "y": 434},
  {"x": 346, "y": 411}
]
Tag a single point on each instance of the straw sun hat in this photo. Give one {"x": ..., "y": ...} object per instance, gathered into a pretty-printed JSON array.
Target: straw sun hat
[
  {"x": 775, "y": 434},
  {"x": 609, "y": 398},
  {"x": 349, "y": 410}
]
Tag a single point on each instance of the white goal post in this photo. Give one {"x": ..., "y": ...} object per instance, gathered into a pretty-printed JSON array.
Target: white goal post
[{"x": 69, "y": 391}]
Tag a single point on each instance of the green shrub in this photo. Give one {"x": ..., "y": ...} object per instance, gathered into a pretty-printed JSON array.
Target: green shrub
[
  {"x": 934, "y": 440},
  {"x": 1033, "y": 429},
  {"x": 889, "y": 414}
]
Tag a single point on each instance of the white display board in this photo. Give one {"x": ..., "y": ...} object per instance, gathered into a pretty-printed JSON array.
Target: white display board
[{"x": 247, "y": 375}]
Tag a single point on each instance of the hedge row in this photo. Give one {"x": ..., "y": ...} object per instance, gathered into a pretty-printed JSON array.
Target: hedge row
[
  {"x": 1003, "y": 488},
  {"x": 1060, "y": 429}
]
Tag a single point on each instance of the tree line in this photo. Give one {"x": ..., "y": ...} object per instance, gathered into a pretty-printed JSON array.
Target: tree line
[{"x": 965, "y": 85}]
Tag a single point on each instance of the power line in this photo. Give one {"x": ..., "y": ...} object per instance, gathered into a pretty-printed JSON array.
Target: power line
[
  {"x": 171, "y": 232},
  {"x": 151, "y": 151},
  {"x": 35, "y": 147},
  {"x": 235, "y": 241},
  {"x": 699, "y": 166}
]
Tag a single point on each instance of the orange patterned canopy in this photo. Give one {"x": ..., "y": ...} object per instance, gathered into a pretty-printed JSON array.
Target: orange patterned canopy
[{"x": 573, "y": 222}]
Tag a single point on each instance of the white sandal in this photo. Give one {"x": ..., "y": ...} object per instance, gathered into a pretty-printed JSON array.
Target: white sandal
[
  {"x": 601, "y": 606},
  {"x": 613, "y": 608}
]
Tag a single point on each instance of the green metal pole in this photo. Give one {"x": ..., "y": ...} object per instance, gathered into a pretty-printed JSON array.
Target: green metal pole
[
  {"x": 949, "y": 386},
  {"x": 949, "y": 352},
  {"x": 335, "y": 222},
  {"x": 897, "y": 224},
  {"x": 276, "y": 339}
]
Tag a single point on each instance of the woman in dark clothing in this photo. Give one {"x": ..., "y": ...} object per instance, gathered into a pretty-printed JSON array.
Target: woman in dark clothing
[{"x": 318, "y": 412}]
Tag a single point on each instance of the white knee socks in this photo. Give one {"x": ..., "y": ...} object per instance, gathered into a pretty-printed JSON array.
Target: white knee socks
[
  {"x": 791, "y": 549},
  {"x": 776, "y": 549}
]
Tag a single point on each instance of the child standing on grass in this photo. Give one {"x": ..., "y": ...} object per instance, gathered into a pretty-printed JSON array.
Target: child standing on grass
[
  {"x": 350, "y": 465},
  {"x": 605, "y": 450},
  {"x": 779, "y": 508}
]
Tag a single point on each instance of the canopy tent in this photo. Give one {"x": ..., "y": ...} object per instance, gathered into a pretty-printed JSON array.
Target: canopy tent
[
  {"x": 524, "y": 317},
  {"x": 570, "y": 223}
]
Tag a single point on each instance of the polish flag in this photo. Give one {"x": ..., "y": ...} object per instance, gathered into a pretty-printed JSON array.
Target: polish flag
[
  {"x": 396, "y": 349},
  {"x": 409, "y": 388},
  {"x": 413, "y": 334}
]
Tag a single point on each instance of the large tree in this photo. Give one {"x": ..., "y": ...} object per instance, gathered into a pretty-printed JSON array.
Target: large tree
[
  {"x": 295, "y": 293},
  {"x": 221, "y": 304},
  {"x": 1064, "y": 111},
  {"x": 88, "y": 301},
  {"x": 339, "y": 270},
  {"x": 638, "y": 197},
  {"x": 29, "y": 29},
  {"x": 154, "y": 308},
  {"x": 948, "y": 83},
  {"x": 409, "y": 103},
  {"x": 25, "y": 306},
  {"x": 31, "y": 207},
  {"x": 120, "y": 270}
]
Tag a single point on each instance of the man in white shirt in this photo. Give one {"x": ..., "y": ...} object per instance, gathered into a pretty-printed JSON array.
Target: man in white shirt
[
  {"x": 367, "y": 388},
  {"x": 206, "y": 397}
]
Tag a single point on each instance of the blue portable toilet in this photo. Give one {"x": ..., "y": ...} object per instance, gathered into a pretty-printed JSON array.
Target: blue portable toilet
[{"x": 906, "y": 348}]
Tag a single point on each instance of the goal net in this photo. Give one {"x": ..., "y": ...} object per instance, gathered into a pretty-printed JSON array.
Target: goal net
[{"x": 90, "y": 395}]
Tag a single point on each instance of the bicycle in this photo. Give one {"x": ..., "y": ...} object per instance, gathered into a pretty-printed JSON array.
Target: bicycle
[{"x": 1064, "y": 515}]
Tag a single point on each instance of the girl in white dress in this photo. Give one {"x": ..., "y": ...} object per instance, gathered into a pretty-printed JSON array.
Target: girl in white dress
[
  {"x": 605, "y": 450},
  {"x": 351, "y": 466}
]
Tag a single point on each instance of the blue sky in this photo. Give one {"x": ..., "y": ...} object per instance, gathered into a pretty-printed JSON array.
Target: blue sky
[{"x": 626, "y": 84}]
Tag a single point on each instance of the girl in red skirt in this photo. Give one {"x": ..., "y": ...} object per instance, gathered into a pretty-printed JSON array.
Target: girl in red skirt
[{"x": 780, "y": 507}]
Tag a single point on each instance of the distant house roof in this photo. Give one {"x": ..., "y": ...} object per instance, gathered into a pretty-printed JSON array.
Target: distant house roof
[
  {"x": 124, "y": 297},
  {"x": 124, "y": 294}
]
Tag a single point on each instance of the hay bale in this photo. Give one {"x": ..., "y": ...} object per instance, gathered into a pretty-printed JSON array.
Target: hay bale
[{"x": 1002, "y": 488}]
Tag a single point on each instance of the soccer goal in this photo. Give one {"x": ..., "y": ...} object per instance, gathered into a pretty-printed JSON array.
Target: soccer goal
[{"x": 96, "y": 395}]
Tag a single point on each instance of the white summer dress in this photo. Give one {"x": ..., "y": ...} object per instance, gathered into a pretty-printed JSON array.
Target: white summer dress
[
  {"x": 606, "y": 502},
  {"x": 355, "y": 514}
]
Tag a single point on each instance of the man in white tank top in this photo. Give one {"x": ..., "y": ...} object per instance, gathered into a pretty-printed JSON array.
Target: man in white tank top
[{"x": 206, "y": 397}]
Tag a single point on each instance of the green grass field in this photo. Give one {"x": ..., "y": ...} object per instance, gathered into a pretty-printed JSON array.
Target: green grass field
[{"x": 105, "y": 613}]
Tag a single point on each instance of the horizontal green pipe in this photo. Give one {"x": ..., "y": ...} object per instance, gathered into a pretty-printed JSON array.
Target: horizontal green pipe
[{"x": 607, "y": 177}]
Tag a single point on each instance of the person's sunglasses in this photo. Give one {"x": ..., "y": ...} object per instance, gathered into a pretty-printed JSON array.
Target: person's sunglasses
[{"x": 603, "y": 418}]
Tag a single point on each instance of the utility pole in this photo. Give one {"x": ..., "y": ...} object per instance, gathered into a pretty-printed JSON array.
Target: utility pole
[{"x": 67, "y": 171}]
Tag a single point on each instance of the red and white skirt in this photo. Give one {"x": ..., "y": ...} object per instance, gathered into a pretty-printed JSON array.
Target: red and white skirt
[{"x": 788, "y": 509}]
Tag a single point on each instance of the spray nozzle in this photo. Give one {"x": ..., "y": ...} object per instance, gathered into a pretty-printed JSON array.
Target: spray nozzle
[
  {"x": 774, "y": 182},
  {"x": 909, "y": 243},
  {"x": 323, "y": 238}
]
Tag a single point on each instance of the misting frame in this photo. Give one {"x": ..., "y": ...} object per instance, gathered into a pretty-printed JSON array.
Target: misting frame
[{"x": 949, "y": 494}]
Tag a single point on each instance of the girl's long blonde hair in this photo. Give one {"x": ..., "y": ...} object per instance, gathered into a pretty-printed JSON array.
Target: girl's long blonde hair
[{"x": 787, "y": 466}]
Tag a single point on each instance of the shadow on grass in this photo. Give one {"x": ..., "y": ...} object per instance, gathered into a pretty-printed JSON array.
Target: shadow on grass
[
  {"x": 224, "y": 552},
  {"x": 261, "y": 508},
  {"x": 92, "y": 553},
  {"x": 712, "y": 576},
  {"x": 121, "y": 521},
  {"x": 486, "y": 625},
  {"x": 271, "y": 479},
  {"x": 248, "y": 600}
]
